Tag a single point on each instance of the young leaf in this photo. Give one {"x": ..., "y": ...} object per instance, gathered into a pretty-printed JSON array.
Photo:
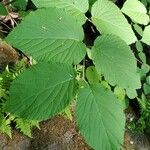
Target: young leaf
[
  {"x": 77, "y": 8},
  {"x": 132, "y": 93},
  {"x": 136, "y": 11},
  {"x": 5, "y": 126},
  {"x": 25, "y": 126},
  {"x": 138, "y": 29},
  {"x": 108, "y": 19},
  {"x": 100, "y": 118},
  {"x": 142, "y": 57},
  {"x": 42, "y": 91},
  {"x": 148, "y": 80},
  {"x": 92, "y": 75},
  {"x": 146, "y": 35},
  {"x": 105, "y": 85},
  {"x": 143, "y": 70},
  {"x": 119, "y": 92},
  {"x": 114, "y": 59},
  {"x": 146, "y": 88},
  {"x": 50, "y": 34},
  {"x": 139, "y": 46}
]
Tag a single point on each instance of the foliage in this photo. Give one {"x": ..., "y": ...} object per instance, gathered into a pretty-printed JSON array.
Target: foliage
[
  {"x": 136, "y": 11},
  {"x": 3, "y": 10},
  {"x": 53, "y": 36},
  {"x": 19, "y": 5},
  {"x": 6, "y": 77},
  {"x": 142, "y": 124}
]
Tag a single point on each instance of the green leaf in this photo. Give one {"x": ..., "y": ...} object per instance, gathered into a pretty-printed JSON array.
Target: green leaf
[
  {"x": 25, "y": 126},
  {"x": 88, "y": 52},
  {"x": 50, "y": 34},
  {"x": 146, "y": 35},
  {"x": 5, "y": 126},
  {"x": 139, "y": 46},
  {"x": 146, "y": 88},
  {"x": 92, "y": 75},
  {"x": 143, "y": 71},
  {"x": 105, "y": 85},
  {"x": 67, "y": 113},
  {"x": 114, "y": 59},
  {"x": 100, "y": 118},
  {"x": 148, "y": 80},
  {"x": 108, "y": 19},
  {"x": 20, "y": 4},
  {"x": 77, "y": 8},
  {"x": 3, "y": 10},
  {"x": 136, "y": 11},
  {"x": 131, "y": 93},
  {"x": 138, "y": 29},
  {"x": 42, "y": 91},
  {"x": 119, "y": 92},
  {"x": 142, "y": 57}
]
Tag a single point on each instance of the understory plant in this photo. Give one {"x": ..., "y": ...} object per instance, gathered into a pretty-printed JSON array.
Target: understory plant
[
  {"x": 101, "y": 74},
  {"x": 7, "y": 120}
]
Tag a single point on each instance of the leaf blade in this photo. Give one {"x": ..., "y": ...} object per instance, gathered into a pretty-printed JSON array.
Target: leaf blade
[
  {"x": 109, "y": 20},
  {"x": 49, "y": 35},
  {"x": 114, "y": 59},
  {"x": 146, "y": 35},
  {"x": 42, "y": 91},
  {"x": 94, "y": 116},
  {"x": 76, "y": 8},
  {"x": 136, "y": 11}
]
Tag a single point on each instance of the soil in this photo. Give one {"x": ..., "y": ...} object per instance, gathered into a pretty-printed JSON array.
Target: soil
[
  {"x": 57, "y": 133},
  {"x": 60, "y": 133}
]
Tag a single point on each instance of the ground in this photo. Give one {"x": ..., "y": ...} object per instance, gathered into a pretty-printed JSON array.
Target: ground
[{"x": 57, "y": 133}]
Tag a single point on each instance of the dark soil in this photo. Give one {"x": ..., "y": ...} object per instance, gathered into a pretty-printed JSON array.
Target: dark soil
[
  {"x": 58, "y": 133},
  {"x": 18, "y": 142}
]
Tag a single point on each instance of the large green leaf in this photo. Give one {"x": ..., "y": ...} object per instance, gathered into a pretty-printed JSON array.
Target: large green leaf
[
  {"x": 146, "y": 35},
  {"x": 42, "y": 91},
  {"x": 77, "y": 8},
  {"x": 136, "y": 11},
  {"x": 108, "y": 19},
  {"x": 115, "y": 60},
  {"x": 100, "y": 118},
  {"x": 50, "y": 34}
]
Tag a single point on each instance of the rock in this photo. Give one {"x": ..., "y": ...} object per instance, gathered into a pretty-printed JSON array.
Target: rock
[
  {"x": 7, "y": 54},
  {"x": 57, "y": 133},
  {"x": 3, "y": 141},
  {"x": 18, "y": 142},
  {"x": 141, "y": 142},
  {"x": 136, "y": 141}
]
